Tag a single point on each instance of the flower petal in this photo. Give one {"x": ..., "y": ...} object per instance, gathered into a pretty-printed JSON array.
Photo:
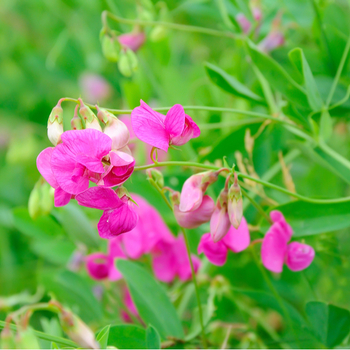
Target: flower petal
[
  {"x": 216, "y": 253},
  {"x": 238, "y": 239},
  {"x": 175, "y": 121},
  {"x": 299, "y": 256},
  {"x": 43, "y": 163},
  {"x": 103, "y": 225},
  {"x": 123, "y": 219},
  {"x": 148, "y": 126},
  {"x": 97, "y": 265},
  {"x": 61, "y": 197},
  {"x": 99, "y": 198},
  {"x": 219, "y": 224},
  {"x": 93, "y": 164}
]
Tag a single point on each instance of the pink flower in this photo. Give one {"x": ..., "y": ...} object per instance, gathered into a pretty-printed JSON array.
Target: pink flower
[
  {"x": 197, "y": 217},
  {"x": 161, "y": 131},
  {"x": 193, "y": 189},
  {"x": 133, "y": 40},
  {"x": 275, "y": 250},
  {"x": 170, "y": 259},
  {"x": 119, "y": 215},
  {"x": 219, "y": 223},
  {"x": 235, "y": 240},
  {"x": 94, "y": 87},
  {"x": 129, "y": 304},
  {"x": 98, "y": 266},
  {"x": 244, "y": 22},
  {"x": 273, "y": 40}
]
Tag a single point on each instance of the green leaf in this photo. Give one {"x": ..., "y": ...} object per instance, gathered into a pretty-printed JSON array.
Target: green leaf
[
  {"x": 309, "y": 219},
  {"x": 127, "y": 337},
  {"x": 331, "y": 324},
  {"x": 152, "y": 338},
  {"x": 103, "y": 336},
  {"x": 77, "y": 225},
  {"x": 278, "y": 78},
  {"x": 326, "y": 125},
  {"x": 151, "y": 300},
  {"x": 229, "y": 83},
  {"x": 298, "y": 59}
]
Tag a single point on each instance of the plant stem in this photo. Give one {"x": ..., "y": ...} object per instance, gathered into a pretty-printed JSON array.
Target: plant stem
[
  {"x": 257, "y": 206},
  {"x": 194, "y": 279},
  {"x": 176, "y": 26},
  {"x": 45, "y": 336},
  {"x": 262, "y": 182}
]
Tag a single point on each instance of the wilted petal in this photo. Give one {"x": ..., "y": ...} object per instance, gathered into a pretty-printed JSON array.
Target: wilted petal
[
  {"x": 216, "y": 253},
  {"x": 148, "y": 126},
  {"x": 197, "y": 217},
  {"x": 43, "y": 163},
  {"x": 61, "y": 197},
  {"x": 238, "y": 239},
  {"x": 175, "y": 120},
  {"x": 219, "y": 224},
  {"x": 299, "y": 256},
  {"x": 99, "y": 198},
  {"x": 97, "y": 265}
]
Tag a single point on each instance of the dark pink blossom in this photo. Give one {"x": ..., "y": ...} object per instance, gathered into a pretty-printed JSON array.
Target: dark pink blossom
[
  {"x": 119, "y": 215},
  {"x": 159, "y": 130},
  {"x": 275, "y": 250},
  {"x": 130, "y": 306},
  {"x": 216, "y": 252}
]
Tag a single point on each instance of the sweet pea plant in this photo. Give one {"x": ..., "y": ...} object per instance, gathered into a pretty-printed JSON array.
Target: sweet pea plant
[{"x": 165, "y": 285}]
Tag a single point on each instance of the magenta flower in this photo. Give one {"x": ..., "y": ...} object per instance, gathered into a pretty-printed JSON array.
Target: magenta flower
[
  {"x": 119, "y": 215},
  {"x": 170, "y": 259},
  {"x": 193, "y": 189},
  {"x": 235, "y": 240},
  {"x": 275, "y": 250},
  {"x": 133, "y": 40},
  {"x": 98, "y": 265},
  {"x": 197, "y": 217},
  {"x": 161, "y": 131},
  {"x": 129, "y": 304}
]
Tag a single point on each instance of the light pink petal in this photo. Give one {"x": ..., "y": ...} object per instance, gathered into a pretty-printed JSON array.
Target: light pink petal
[
  {"x": 132, "y": 40},
  {"x": 175, "y": 121},
  {"x": 43, "y": 163},
  {"x": 93, "y": 164},
  {"x": 103, "y": 225},
  {"x": 197, "y": 217},
  {"x": 119, "y": 158},
  {"x": 61, "y": 197},
  {"x": 219, "y": 224},
  {"x": 299, "y": 256},
  {"x": 191, "y": 195},
  {"x": 164, "y": 263},
  {"x": 238, "y": 239},
  {"x": 97, "y": 265},
  {"x": 149, "y": 127},
  {"x": 123, "y": 219},
  {"x": 99, "y": 198},
  {"x": 273, "y": 250},
  {"x": 216, "y": 253},
  {"x": 243, "y": 22}
]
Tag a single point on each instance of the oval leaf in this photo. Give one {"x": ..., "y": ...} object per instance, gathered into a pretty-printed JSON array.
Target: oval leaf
[
  {"x": 152, "y": 338},
  {"x": 127, "y": 337}
]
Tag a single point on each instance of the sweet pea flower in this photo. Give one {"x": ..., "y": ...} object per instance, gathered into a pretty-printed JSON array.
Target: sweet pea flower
[
  {"x": 193, "y": 189},
  {"x": 119, "y": 215},
  {"x": 275, "y": 38},
  {"x": 235, "y": 240},
  {"x": 133, "y": 40},
  {"x": 160, "y": 131},
  {"x": 195, "y": 218},
  {"x": 170, "y": 259},
  {"x": 94, "y": 87},
  {"x": 275, "y": 250},
  {"x": 244, "y": 22},
  {"x": 129, "y": 304}
]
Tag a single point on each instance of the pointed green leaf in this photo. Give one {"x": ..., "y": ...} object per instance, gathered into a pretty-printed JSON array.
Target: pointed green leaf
[
  {"x": 151, "y": 300},
  {"x": 102, "y": 337},
  {"x": 152, "y": 338},
  {"x": 229, "y": 83}
]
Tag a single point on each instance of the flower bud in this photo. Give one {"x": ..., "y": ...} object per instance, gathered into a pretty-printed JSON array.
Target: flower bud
[
  {"x": 7, "y": 338},
  {"x": 40, "y": 199},
  {"x": 76, "y": 122},
  {"x": 110, "y": 45},
  {"x": 243, "y": 22},
  {"x": 91, "y": 121},
  {"x": 156, "y": 176},
  {"x": 77, "y": 330},
  {"x": 26, "y": 339},
  {"x": 235, "y": 204},
  {"x": 299, "y": 256},
  {"x": 115, "y": 128},
  {"x": 128, "y": 63},
  {"x": 133, "y": 40},
  {"x": 219, "y": 221},
  {"x": 55, "y": 124}
]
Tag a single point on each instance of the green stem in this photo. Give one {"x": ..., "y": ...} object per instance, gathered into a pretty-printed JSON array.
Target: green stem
[
  {"x": 45, "y": 336},
  {"x": 257, "y": 206},
  {"x": 334, "y": 154},
  {"x": 181, "y": 27},
  {"x": 262, "y": 182},
  {"x": 194, "y": 279},
  {"x": 338, "y": 74}
]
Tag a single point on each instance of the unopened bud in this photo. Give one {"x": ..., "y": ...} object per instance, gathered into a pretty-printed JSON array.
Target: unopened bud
[
  {"x": 110, "y": 45},
  {"x": 76, "y": 121},
  {"x": 91, "y": 121},
  {"x": 156, "y": 176},
  {"x": 41, "y": 199},
  {"x": 219, "y": 221},
  {"x": 133, "y": 40},
  {"x": 77, "y": 330},
  {"x": 7, "y": 338},
  {"x": 26, "y": 339},
  {"x": 115, "y": 128},
  {"x": 235, "y": 204},
  {"x": 128, "y": 63},
  {"x": 55, "y": 124}
]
